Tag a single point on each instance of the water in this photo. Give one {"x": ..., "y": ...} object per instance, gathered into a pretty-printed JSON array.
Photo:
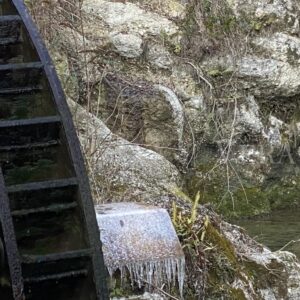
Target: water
[{"x": 276, "y": 230}]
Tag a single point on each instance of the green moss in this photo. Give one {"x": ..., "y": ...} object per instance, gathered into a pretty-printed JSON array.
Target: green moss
[
  {"x": 226, "y": 268},
  {"x": 223, "y": 245},
  {"x": 237, "y": 294},
  {"x": 257, "y": 25},
  {"x": 243, "y": 199},
  {"x": 284, "y": 193}
]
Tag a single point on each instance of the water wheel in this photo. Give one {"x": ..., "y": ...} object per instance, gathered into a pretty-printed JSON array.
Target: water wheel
[{"x": 49, "y": 239}]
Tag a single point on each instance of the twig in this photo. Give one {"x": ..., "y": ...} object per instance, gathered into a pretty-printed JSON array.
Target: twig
[
  {"x": 289, "y": 243},
  {"x": 200, "y": 76}
]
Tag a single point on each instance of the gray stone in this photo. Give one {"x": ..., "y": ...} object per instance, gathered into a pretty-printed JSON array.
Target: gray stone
[
  {"x": 268, "y": 77},
  {"x": 120, "y": 167},
  {"x": 196, "y": 102},
  {"x": 164, "y": 124},
  {"x": 286, "y": 287},
  {"x": 248, "y": 118},
  {"x": 277, "y": 11},
  {"x": 127, "y": 45},
  {"x": 129, "y": 17},
  {"x": 281, "y": 46},
  {"x": 273, "y": 132},
  {"x": 158, "y": 56}
]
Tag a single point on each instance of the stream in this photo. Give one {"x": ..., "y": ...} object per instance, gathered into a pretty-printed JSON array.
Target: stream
[{"x": 276, "y": 230}]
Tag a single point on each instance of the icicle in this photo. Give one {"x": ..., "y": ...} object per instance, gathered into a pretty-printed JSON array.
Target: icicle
[
  {"x": 141, "y": 242},
  {"x": 154, "y": 273}
]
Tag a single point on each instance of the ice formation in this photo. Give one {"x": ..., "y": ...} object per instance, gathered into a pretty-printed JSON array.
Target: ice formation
[{"x": 140, "y": 241}]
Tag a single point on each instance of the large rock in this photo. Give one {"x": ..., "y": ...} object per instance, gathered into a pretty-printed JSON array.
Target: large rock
[
  {"x": 287, "y": 286},
  {"x": 268, "y": 77},
  {"x": 151, "y": 115},
  {"x": 280, "y": 46},
  {"x": 129, "y": 17},
  {"x": 277, "y": 12},
  {"x": 120, "y": 168},
  {"x": 166, "y": 138}
]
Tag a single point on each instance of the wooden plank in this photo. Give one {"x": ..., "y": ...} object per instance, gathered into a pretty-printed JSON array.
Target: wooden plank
[
  {"x": 51, "y": 208},
  {"x": 55, "y": 277},
  {"x": 36, "y": 186},
  {"x": 32, "y": 259},
  {"x": 20, "y": 90},
  {"x": 21, "y": 66},
  {"x": 28, "y": 146},
  {"x": 10, "y": 18},
  {"x": 9, "y": 41},
  {"x": 29, "y": 122}
]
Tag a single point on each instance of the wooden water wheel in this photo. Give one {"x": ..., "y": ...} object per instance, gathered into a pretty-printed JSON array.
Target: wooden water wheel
[{"x": 49, "y": 236}]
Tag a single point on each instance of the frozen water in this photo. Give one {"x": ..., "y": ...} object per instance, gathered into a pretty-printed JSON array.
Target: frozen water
[{"x": 141, "y": 240}]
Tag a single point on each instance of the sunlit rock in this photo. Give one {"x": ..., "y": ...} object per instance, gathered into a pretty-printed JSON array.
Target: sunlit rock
[
  {"x": 281, "y": 46},
  {"x": 127, "y": 45},
  {"x": 129, "y": 17}
]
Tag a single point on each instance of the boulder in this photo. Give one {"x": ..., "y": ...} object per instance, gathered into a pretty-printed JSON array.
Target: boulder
[
  {"x": 268, "y": 78},
  {"x": 119, "y": 167},
  {"x": 129, "y": 17},
  {"x": 280, "y": 46}
]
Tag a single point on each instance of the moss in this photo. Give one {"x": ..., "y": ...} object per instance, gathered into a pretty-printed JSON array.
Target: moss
[
  {"x": 243, "y": 199},
  {"x": 284, "y": 193},
  {"x": 226, "y": 268},
  {"x": 247, "y": 201},
  {"x": 257, "y": 25},
  {"x": 223, "y": 245},
  {"x": 237, "y": 294}
]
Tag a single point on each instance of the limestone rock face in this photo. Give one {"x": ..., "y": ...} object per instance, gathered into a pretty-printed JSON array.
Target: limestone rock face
[
  {"x": 210, "y": 88},
  {"x": 199, "y": 83},
  {"x": 286, "y": 262}
]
